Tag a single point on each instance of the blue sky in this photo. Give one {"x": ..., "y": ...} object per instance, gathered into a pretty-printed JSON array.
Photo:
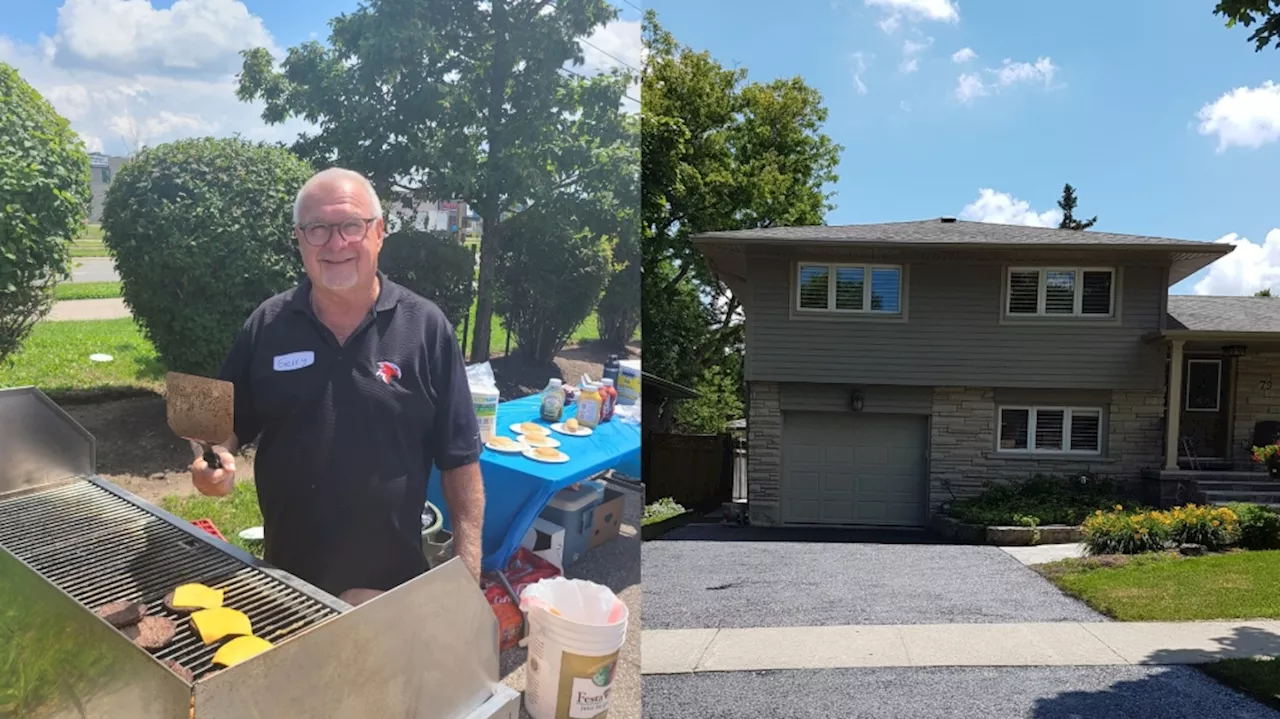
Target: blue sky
[{"x": 1107, "y": 96}]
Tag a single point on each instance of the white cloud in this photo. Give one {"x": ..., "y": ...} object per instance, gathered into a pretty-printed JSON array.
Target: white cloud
[
  {"x": 1009, "y": 74},
  {"x": 617, "y": 44},
  {"x": 122, "y": 71},
  {"x": 909, "y": 66},
  {"x": 1249, "y": 268},
  {"x": 1243, "y": 117},
  {"x": 963, "y": 55},
  {"x": 1005, "y": 209},
  {"x": 200, "y": 38},
  {"x": 906, "y": 106},
  {"x": 915, "y": 11},
  {"x": 911, "y": 47},
  {"x": 859, "y": 67}
]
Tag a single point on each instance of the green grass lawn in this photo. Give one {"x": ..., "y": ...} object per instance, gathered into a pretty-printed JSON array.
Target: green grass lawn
[
  {"x": 55, "y": 358},
  {"x": 1168, "y": 587},
  {"x": 661, "y": 510},
  {"x": 231, "y": 514},
  {"x": 1258, "y": 678},
  {"x": 89, "y": 243},
  {"x": 86, "y": 291}
]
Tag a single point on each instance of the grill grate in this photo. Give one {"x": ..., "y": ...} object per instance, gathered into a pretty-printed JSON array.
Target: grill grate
[{"x": 99, "y": 548}]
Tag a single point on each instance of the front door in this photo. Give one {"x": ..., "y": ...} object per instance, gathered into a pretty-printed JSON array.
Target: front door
[{"x": 1204, "y": 408}]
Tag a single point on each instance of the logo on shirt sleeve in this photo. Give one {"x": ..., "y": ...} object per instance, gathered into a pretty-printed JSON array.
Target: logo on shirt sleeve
[
  {"x": 388, "y": 371},
  {"x": 293, "y": 361}
]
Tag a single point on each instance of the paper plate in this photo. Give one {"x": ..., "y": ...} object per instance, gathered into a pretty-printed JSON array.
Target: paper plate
[
  {"x": 518, "y": 428},
  {"x": 582, "y": 431},
  {"x": 559, "y": 460},
  {"x": 535, "y": 440},
  {"x": 519, "y": 447},
  {"x": 253, "y": 534},
  {"x": 99, "y": 357}
]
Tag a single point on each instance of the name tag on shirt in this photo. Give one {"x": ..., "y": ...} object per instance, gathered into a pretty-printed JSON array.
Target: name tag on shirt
[{"x": 293, "y": 361}]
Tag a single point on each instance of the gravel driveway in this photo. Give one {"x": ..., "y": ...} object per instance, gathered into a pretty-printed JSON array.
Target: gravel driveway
[
  {"x": 710, "y": 576},
  {"x": 950, "y": 693}
]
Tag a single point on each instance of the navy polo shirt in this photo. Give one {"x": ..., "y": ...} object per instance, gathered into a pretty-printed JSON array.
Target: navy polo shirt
[{"x": 347, "y": 435}]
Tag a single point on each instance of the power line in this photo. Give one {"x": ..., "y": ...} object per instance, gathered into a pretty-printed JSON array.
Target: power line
[
  {"x": 584, "y": 77},
  {"x": 637, "y": 7},
  {"x": 602, "y": 51}
]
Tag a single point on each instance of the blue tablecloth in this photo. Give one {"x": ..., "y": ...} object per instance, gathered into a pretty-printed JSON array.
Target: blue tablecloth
[{"x": 517, "y": 488}]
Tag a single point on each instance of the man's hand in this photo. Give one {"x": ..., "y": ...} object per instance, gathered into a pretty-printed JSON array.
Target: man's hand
[
  {"x": 357, "y": 596},
  {"x": 464, "y": 499},
  {"x": 213, "y": 482}
]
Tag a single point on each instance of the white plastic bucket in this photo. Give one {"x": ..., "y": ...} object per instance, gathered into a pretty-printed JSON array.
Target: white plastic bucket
[
  {"x": 571, "y": 663},
  {"x": 486, "y": 404}
]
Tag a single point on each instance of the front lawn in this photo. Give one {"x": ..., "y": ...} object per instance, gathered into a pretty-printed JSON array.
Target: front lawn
[
  {"x": 86, "y": 291},
  {"x": 55, "y": 358},
  {"x": 1169, "y": 587},
  {"x": 231, "y": 514},
  {"x": 1257, "y": 678}
]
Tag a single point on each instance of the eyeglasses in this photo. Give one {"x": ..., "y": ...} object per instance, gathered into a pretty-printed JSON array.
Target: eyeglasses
[{"x": 317, "y": 234}]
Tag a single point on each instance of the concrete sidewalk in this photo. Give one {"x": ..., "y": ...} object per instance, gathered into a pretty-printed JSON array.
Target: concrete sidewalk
[
  {"x": 682, "y": 651},
  {"x": 67, "y": 310}
]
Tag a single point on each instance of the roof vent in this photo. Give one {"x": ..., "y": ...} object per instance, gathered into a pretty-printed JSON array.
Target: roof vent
[{"x": 947, "y": 219}]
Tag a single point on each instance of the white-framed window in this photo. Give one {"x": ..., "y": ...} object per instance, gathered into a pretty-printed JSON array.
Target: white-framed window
[
  {"x": 1076, "y": 430},
  {"x": 1061, "y": 292},
  {"x": 848, "y": 288}
]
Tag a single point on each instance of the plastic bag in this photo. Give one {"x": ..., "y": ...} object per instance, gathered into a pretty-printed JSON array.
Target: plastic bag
[
  {"x": 576, "y": 600},
  {"x": 480, "y": 376},
  {"x": 627, "y": 413}
]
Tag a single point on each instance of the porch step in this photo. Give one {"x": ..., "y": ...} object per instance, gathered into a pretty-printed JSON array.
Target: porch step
[
  {"x": 1253, "y": 497},
  {"x": 1237, "y": 485}
]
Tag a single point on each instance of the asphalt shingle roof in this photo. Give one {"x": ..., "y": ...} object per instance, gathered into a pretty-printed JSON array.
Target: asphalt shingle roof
[
  {"x": 959, "y": 232},
  {"x": 1224, "y": 314}
]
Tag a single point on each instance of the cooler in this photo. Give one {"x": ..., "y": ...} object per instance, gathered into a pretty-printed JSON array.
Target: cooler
[{"x": 574, "y": 509}]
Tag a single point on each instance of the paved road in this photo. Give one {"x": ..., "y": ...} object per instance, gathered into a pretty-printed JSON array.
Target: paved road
[
  {"x": 94, "y": 269},
  {"x": 711, "y": 576},
  {"x": 1114, "y": 692}
]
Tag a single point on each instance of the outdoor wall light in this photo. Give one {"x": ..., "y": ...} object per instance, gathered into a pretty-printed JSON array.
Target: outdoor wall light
[{"x": 855, "y": 400}]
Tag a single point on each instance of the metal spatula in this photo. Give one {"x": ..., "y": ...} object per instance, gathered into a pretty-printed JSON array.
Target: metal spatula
[{"x": 200, "y": 410}]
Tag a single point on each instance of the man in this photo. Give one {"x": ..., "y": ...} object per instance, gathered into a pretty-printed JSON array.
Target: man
[{"x": 353, "y": 387}]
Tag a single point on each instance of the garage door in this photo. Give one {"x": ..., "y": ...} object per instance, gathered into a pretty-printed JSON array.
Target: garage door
[{"x": 854, "y": 468}]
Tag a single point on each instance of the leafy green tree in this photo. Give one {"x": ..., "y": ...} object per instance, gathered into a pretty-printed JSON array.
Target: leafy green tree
[
  {"x": 1266, "y": 13},
  {"x": 201, "y": 231},
  {"x": 719, "y": 402},
  {"x": 718, "y": 153},
  {"x": 1264, "y": 292},
  {"x": 454, "y": 99},
  {"x": 44, "y": 200},
  {"x": 433, "y": 265},
  {"x": 1068, "y": 206}
]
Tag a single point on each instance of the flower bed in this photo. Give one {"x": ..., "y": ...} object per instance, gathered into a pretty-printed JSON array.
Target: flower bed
[
  {"x": 1041, "y": 510},
  {"x": 1134, "y": 532}
]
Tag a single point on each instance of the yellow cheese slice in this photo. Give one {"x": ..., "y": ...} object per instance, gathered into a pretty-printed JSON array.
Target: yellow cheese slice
[
  {"x": 214, "y": 624},
  {"x": 199, "y": 596},
  {"x": 239, "y": 649}
]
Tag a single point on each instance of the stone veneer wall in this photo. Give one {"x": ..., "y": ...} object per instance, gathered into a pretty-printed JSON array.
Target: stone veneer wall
[
  {"x": 963, "y": 455},
  {"x": 764, "y": 452},
  {"x": 1254, "y": 402}
]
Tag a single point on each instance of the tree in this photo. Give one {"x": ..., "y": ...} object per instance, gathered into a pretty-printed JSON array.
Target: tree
[
  {"x": 1266, "y": 13},
  {"x": 457, "y": 100},
  {"x": 718, "y": 153},
  {"x": 1264, "y": 292},
  {"x": 44, "y": 199},
  {"x": 1068, "y": 205}
]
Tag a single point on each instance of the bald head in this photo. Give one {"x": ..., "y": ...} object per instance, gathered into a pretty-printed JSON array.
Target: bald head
[{"x": 337, "y": 179}]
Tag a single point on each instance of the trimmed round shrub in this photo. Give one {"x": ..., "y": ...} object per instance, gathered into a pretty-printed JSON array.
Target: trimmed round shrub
[
  {"x": 434, "y": 265},
  {"x": 45, "y": 195},
  {"x": 1259, "y": 526},
  {"x": 1121, "y": 532},
  {"x": 201, "y": 231},
  {"x": 1213, "y": 527},
  {"x": 550, "y": 271}
]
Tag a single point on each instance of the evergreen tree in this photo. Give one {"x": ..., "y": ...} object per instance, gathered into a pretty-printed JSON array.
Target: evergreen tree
[{"x": 1068, "y": 205}]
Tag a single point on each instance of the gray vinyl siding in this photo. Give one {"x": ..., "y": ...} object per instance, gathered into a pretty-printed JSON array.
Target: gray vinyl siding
[
  {"x": 875, "y": 399},
  {"x": 953, "y": 335}
]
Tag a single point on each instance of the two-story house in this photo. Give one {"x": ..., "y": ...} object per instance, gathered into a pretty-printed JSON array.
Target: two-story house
[{"x": 893, "y": 367}]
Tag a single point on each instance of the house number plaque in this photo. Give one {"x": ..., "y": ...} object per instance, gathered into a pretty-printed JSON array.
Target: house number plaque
[{"x": 1265, "y": 385}]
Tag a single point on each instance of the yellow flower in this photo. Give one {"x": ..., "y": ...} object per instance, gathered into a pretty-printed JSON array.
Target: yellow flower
[{"x": 1119, "y": 508}]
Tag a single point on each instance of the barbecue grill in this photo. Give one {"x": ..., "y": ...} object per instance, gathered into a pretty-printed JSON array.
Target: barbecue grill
[{"x": 71, "y": 542}]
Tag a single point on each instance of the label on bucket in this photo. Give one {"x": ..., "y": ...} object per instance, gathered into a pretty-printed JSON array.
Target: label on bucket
[{"x": 585, "y": 685}]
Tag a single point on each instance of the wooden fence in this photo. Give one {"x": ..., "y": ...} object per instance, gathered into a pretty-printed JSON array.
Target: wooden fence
[{"x": 697, "y": 471}]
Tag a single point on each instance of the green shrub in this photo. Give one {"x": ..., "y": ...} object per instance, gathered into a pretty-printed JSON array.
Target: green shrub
[
  {"x": 1121, "y": 532},
  {"x": 201, "y": 231},
  {"x": 434, "y": 265},
  {"x": 1214, "y": 527},
  {"x": 1259, "y": 526},
  {"x": 550, "y": 271},
  {"x": 1042, "y": 499},
  {"x": 44, "y": 199}
]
